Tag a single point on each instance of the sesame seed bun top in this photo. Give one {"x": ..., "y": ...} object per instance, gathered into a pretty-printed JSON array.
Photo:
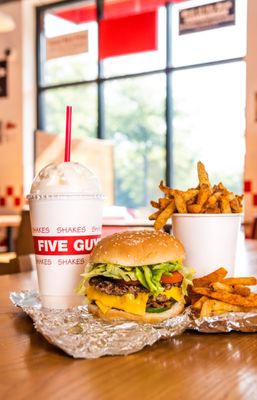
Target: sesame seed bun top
[{"x": 137, "y": 248}]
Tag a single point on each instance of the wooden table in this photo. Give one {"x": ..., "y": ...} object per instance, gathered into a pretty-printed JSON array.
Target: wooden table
[{"x": 191, "y": 366}]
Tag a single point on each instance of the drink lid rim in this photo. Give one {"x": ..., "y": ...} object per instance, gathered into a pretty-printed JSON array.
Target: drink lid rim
[{"x": 63, "y": 195}]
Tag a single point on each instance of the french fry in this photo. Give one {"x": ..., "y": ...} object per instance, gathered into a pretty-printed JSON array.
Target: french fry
[
  {"x": 212, "y": 200},
  {"x": 211, "y": 210},
  {"x": 190, "y": 194},
  {"x": 221, "y": 306},
  {"x": 221, "y": 287},
  {"x": 203, "y": 195},
  {"x": 202, "y": 174},
  {"x": 180, "y": 202},
  {"x": 206, "y": 310},
  {"x": 199, "y": 303},
  {"x": 235, "y": 206},
  {"x": 214, "y": 307},
  {"x": 163, "y": 203},
  {"x": 235, "y": 299},
  {"x": 165, "y": 215},
  {"x": 230, "y": 196},
  {"x": 154, "y": 216},
  {"x": 194, "y": 208},
  {"x": 214, "y": 276},
  {"x": 167, "y": 190},
  {"x": 248, "y": 281},
  {"x": 242, "y": 290},
  {"x": 240, "y": 198},
  {"x": 225, "y": 205},
  {"x": 220, "y": 188},
  {"x": 154, "y": 204}
]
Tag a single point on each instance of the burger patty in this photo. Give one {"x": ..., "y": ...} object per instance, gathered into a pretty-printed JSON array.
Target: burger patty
[
  {"x": 117, "y": 288},
  {"x": 114, "y": 287},
  {"x": 159, "y": 301}
]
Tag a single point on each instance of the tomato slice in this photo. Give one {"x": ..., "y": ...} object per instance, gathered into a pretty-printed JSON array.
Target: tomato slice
[{"x": 175, "y": 277}]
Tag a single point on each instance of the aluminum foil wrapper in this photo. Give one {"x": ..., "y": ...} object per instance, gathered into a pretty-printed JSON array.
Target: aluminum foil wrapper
[
  {"x": 82, "y": 335},
  {"x": 233, "y": 321}
]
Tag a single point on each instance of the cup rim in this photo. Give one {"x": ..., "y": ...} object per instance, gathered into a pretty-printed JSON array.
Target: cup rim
[
  {"x": 222, "y": 215},
  {"x": 65, "y": 196}
]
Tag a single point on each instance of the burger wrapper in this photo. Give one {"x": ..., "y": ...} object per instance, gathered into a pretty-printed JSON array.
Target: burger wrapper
[
  {"x": 82, "y": 335},
  {"x": 233, "y": 321}
]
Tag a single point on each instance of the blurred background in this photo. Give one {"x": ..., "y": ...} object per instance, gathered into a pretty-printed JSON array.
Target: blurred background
[{"x": 155, "y": 86}]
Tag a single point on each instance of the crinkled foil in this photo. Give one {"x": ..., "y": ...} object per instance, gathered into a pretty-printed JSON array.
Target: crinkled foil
[
  {"x": 233, "y": 321},
  {"x": 82, "y": 335}
]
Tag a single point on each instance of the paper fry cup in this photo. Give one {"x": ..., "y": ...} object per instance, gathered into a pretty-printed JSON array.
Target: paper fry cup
[{"x": 210, "y": 240}]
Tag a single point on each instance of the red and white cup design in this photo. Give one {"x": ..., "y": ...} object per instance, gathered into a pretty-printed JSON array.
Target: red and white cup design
[{"x": 65, "y": 230}]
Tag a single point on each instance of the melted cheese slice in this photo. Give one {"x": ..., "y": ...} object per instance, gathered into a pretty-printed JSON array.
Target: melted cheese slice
[
  {"x": 128, "y": 302},
  {"x": 175, "y": 292}
]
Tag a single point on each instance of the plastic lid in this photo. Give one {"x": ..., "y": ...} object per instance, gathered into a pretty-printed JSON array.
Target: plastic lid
[{"x": 65, "y": 177}]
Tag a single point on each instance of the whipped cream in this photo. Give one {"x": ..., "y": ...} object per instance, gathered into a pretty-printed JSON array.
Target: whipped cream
[{"x": 65, "y": 177}]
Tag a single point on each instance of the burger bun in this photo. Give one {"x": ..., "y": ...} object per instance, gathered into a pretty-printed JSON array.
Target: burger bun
[{"x": 114, "y": 314}]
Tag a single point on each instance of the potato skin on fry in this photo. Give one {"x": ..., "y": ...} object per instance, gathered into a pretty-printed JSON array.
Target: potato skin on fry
[
  {"x": 221, "y": 287},
  {"x": 235, "y": 299},
  {"x": 225, "y": 205},
  {"x": 154, "y": 216},
  {"x": 154, "y": 204},
  {"x": 165, "y": 215},
  {"x": 202, "y": 174},
  {"x": 194, "y": 208},
  {"x": 216, "y": 307},
  {"x": 167, "y": 190},
  {"x": 180, "y": 202},
  {"x": 248, "y": 281},
  {"x": 214, "y": 276},
  {"x": 242, "y": 290},
  {"x": 163, "y": 203},
  {"x": 199, "y": 303}
]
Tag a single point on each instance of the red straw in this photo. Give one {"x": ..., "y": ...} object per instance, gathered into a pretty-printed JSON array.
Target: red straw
[{"x": 68, "y": 134}]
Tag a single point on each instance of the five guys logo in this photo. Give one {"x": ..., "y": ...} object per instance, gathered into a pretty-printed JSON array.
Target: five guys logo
[{"x": 64, "y": 245}]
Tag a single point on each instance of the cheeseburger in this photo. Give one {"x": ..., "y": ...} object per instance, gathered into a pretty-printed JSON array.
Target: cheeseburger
[{"x": 136, "y": 275}]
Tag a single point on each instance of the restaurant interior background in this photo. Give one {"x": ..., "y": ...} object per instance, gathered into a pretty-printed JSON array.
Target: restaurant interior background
[{"x": 148, "y": 100}]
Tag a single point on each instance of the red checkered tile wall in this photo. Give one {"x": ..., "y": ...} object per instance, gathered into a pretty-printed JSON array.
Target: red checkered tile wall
[
  {"x": 248, "y": 189},
  {"x": 11, "y": 197}
]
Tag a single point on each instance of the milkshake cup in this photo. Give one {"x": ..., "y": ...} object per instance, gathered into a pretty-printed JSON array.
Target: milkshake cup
[{"x": 66, "y": 221}]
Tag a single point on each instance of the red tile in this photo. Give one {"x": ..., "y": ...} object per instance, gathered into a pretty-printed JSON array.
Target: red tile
[
  {"x": 9, "y": 190},
  {"x": 247, "y": 186},
  {"x": 2, "y": 201},
  {"x": 17, "y": 201}
]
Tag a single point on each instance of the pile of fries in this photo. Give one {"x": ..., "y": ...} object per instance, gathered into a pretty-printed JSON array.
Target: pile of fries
[
  {"x": 215, "y": 294},
  {"x": 202, "y": 199}
]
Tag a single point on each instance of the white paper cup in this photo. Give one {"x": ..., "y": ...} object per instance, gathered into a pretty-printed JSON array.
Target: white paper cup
[
  {"x": 210, "y": 240},
  {"x": 65, "y": 229}
]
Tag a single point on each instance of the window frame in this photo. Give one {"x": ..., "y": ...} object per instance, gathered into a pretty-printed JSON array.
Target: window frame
[{"x": 100, "y": 80}]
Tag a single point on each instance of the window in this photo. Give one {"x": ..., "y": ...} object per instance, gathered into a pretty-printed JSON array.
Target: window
[
  {"x": 209, "y": 126},
  {"x": 165, "y": 100},
  {"x": 135, "y": 121},
  {"x": 83, "y": 97}
]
